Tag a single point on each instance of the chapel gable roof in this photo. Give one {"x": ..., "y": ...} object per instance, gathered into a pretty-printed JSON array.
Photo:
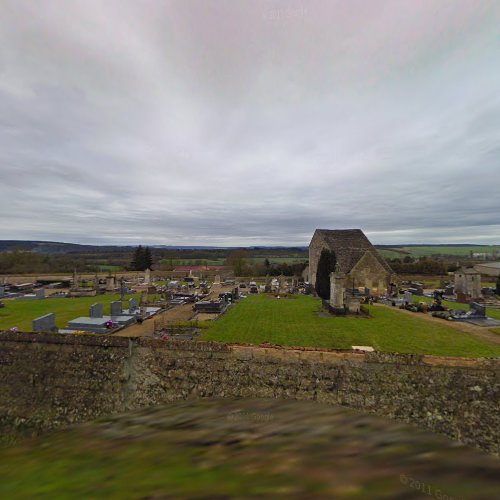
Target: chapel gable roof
[{"x": 349, "y": 246}]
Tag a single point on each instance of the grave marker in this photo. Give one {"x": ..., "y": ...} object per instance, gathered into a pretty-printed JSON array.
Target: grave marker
[
  {"x": 478, "y": 309},
  {"x": 96, "y": 310},
  {"x": 45, "y": 323},
  {"x": 116, "y": 308}
]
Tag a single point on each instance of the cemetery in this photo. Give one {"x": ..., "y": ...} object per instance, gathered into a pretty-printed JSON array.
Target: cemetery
[
  {"x": 97, "y": 321},
  {"x": 300, "y": 320},
  {"x": 345, "y": 319},
  {"x": 81, "y": 307},
  {"x": 19, "y": 314}
]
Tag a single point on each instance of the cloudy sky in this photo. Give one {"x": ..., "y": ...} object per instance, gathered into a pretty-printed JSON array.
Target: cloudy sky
[{"x": 235, "y": 122}]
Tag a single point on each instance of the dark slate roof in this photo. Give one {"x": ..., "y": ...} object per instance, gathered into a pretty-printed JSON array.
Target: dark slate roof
[{"x": 349, "y": 246}]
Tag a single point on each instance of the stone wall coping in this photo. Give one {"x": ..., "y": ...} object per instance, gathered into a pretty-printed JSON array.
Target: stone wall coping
[{"x": 248, "y": 351}]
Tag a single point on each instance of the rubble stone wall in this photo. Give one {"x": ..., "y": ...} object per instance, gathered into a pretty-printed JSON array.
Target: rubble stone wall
[{"x": 50, "y": 380}]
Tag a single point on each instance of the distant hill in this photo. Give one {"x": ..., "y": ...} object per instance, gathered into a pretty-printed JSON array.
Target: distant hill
[
  {"x": 58, "y": 247},
  {"x": 55, "y": 247}
]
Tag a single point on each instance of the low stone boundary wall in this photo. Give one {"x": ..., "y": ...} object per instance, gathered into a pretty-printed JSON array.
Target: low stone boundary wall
[{"x": 49, "y": 380}]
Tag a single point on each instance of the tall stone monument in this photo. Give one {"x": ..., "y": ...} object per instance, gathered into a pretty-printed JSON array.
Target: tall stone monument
[
  {"x": 110, "y": 283},
  {"x": 76, "y": 282},
  {"x": 468, "y": 283},
  {"x": 337, "y": 289}
]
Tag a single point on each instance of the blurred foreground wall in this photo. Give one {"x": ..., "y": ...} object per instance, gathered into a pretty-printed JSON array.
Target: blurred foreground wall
[{"x": 48, "y": 381}]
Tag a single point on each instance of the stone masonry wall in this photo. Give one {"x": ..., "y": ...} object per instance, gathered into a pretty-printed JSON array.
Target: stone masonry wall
[{"x": 48, "y": 381}]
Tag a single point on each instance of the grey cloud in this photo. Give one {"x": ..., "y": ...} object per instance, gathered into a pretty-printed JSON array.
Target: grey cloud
[{"x": 249, "y": 123}]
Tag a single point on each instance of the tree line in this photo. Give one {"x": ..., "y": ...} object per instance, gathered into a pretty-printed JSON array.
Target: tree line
[{"x": 422, "y": 265}]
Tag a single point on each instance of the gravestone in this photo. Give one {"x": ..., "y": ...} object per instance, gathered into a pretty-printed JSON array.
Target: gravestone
[
  {"x": 408, "y": 297},
  {"x": 2, "y": 291},
  {"x": 40, "y": 293},
  {"x": 45, "y": 323},
  {"x": 116, "y": 308},
  {"x": 478, "y": 309},
  {"x": 147, "y": 276},
  {"x": 96, "y": 311},
  {"x": 354, "y": 305},
  {"x": 132, "y": 304}
]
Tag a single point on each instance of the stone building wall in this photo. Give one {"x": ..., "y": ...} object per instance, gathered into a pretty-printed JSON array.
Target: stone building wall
[
  {"x": 48, "y": 381},
  {"x": 315, "y": 247},
  {"x": 369, "y": 273}
]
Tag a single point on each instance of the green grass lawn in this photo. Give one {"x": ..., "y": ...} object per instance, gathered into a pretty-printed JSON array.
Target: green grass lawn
[
  {"x": 492, "y": 313},
  {"x": 427, "y": 251},
  {"x": 110, "y": 268},
  {"x": 296, "y": 322},
  {"x": 194, "y": 262},
  {"x": 279, "y": 260},
  {"x": 21, "y": 313}
]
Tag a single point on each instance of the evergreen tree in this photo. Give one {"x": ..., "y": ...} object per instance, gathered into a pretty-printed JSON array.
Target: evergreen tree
[
  {"x": 142, "y": 259},
  {"x": 137, "y": 259},
  {"x": 326, "y": 265},
  {"x": 148, "y": 259}
]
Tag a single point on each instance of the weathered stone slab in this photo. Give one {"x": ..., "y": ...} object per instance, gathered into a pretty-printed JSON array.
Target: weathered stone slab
[
  {"x": 116, "y": 308},
  {"x": 96, "y": 310},
  {"x": 45, "y": 323}
]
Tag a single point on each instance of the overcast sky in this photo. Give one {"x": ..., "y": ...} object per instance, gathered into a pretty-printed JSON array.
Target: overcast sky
[{"x": 236, "y": 122}]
